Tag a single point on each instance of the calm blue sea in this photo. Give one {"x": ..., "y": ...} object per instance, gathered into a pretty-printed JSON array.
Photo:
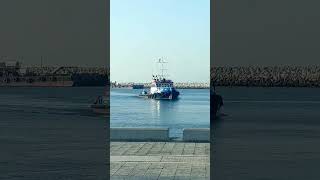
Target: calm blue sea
[
  {"x": 191, "y": 110},
  {"x": 50, "y": 133},
  {"x": 268, "y": 134}
]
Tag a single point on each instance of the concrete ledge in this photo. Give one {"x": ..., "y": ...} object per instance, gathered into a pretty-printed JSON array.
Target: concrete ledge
[
  {"x": 139, "y": 134},
  {"x": 196, "y": 134}
]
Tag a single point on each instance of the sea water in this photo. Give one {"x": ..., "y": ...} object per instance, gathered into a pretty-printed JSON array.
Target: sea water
[
  {"x": 268, "y": 133},
  {"x": 191, "y": 110},
  {"x": 51, "y": 133}
]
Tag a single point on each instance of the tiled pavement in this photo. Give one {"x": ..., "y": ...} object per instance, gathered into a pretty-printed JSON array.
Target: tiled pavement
[{"x": 159, "y": 160}]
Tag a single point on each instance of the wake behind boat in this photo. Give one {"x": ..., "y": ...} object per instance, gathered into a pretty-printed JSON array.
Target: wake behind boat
[{"x": 161, "y": 88}]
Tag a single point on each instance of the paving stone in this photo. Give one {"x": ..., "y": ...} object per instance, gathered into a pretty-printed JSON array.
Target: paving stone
[
  {"x": 115, "y": 167},
  {"x": 122, "y": 149},
  {"x": 125, "y": 170},
  {"x": 198, "y": 171},
  {"x": 207, "y": 171},
  {"x": 178, "y": 149},
  {"x": 156, "y": 149},
  {"x": 145, "y": 149},
  {"x": 140, "y": 169},
  {"x": 117, "y": 178},
  {"x": 188, "y": 149},
  {"x": 134, "y": 149},
  {"x": 153, "y": 173},
  {"x": 167, "y": 148},
  {"x": 159, "y": 160},
  {"x": 199, "y": 149},
  {"x": 135, "y": 158}
]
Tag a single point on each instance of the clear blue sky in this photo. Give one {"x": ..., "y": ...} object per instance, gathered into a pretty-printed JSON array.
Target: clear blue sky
[{"x": 144, "y": 30}]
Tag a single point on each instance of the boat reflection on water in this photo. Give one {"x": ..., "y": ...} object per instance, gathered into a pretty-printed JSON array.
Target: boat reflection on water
[
  {"x": 163, "y": 109},
  {"x": 155, "y": 108}
]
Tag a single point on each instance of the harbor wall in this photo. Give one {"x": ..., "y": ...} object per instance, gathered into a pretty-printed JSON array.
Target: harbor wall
[
  {"x": 266, "y": 76},
  {"x": 196, "y": 134},
  {"x": 158, "y": 134},
  {"x": 139, "y": 134}
]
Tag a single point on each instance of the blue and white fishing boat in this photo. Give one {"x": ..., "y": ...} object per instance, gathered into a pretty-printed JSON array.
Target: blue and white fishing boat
[{"x": 161, "y": 87}]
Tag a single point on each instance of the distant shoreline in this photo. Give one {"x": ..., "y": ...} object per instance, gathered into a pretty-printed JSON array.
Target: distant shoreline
[
  {"x": 175, "y": 87},
  {"x": 237, "y": 86},
  {"x": 148, "y": 85}
]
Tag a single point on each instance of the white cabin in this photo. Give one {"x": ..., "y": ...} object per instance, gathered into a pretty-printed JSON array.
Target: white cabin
[{"x": 158, "y": 86}]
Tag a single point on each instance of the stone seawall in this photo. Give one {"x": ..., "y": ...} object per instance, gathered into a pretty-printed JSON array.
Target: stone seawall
[
  {"x": 139, "y": 134},
  {"x": 267, "y": 76}
]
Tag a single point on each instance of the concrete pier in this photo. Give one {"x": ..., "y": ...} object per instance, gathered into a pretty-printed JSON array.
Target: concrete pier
[
  {"x": 196, "y": 134},
  {"x": 139, "y": 134}
]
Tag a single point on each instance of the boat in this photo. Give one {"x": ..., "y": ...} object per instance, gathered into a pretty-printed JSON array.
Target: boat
[
  {"x": 101, "y": 105},
  {"x": 144, "y": 93},
  {"x": 161, "y": 88}
]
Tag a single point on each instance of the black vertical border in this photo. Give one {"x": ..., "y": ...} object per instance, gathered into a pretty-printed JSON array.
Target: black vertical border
[
  {"x": 212, "y": 58},
  {"x": 107, "y": 54}
]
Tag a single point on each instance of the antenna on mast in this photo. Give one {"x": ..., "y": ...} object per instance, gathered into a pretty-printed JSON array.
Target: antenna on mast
[{"x": 161, "y": 61}]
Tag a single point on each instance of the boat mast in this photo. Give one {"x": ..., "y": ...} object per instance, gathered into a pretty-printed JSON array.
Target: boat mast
[{"x": 162, "y": 68}]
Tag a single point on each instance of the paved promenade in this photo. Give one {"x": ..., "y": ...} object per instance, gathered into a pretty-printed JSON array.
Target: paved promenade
[{"x": 159, "y": 160}]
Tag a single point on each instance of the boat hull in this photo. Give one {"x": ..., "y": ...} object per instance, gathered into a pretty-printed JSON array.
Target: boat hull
[{"x": 164, "y": 96}]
